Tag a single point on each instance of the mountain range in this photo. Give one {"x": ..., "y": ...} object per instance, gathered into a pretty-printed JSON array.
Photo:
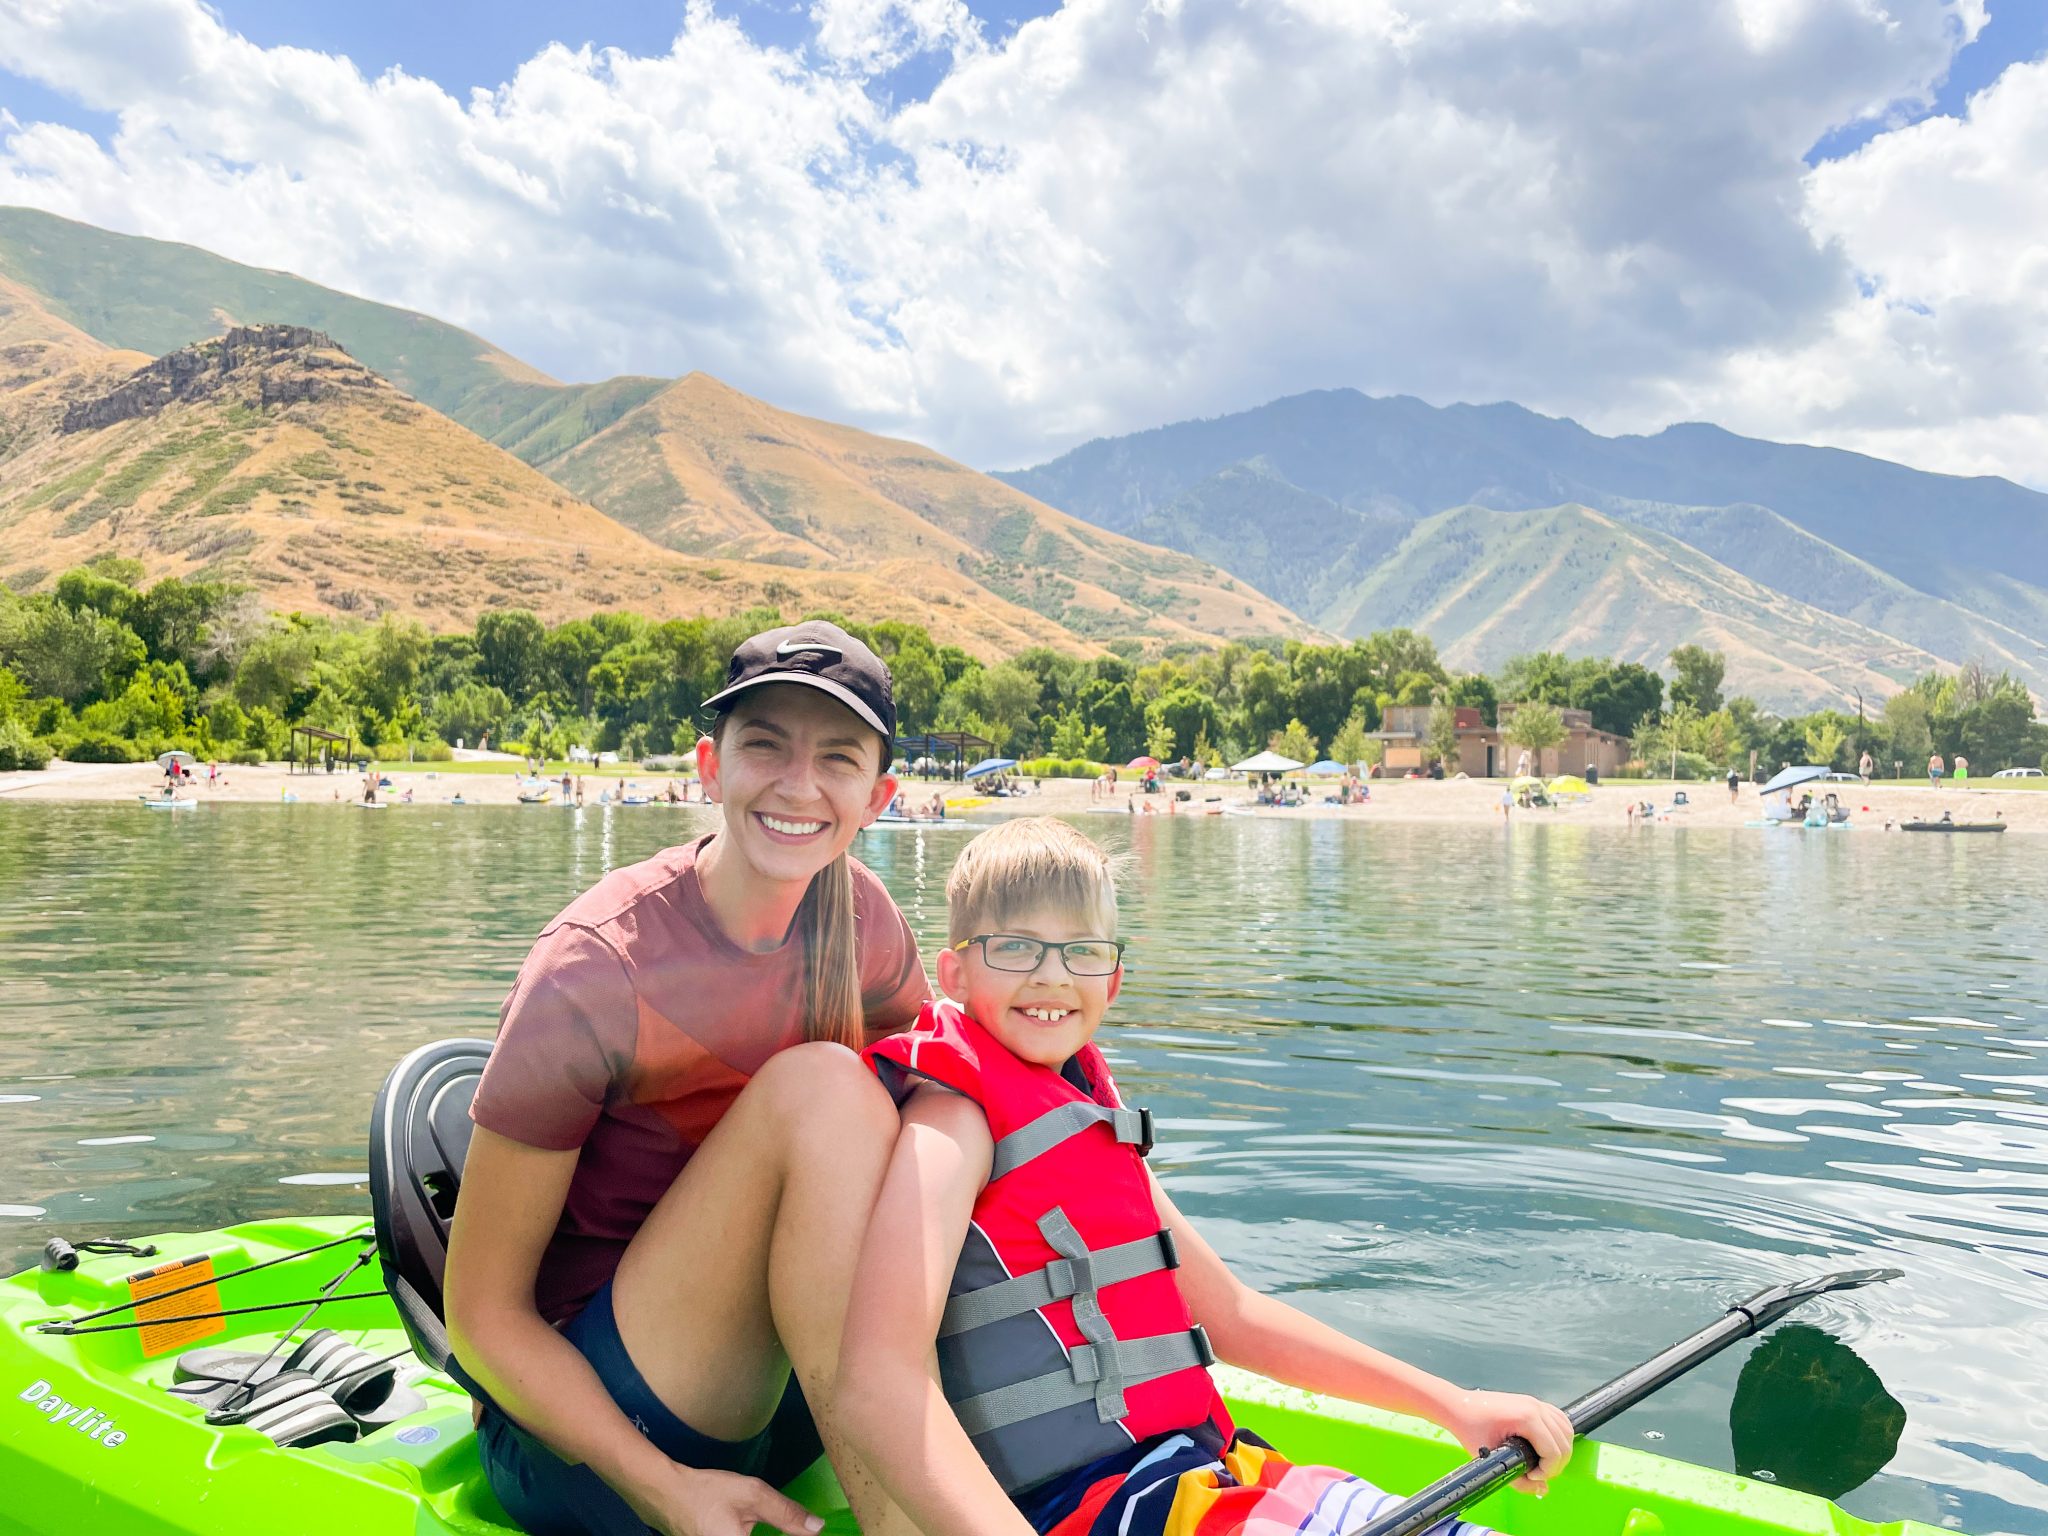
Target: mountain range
[
  {"x": 446, "y": 476},
  {"x": 219, "y": 420},
  {"x": 1498, "y": 530}
]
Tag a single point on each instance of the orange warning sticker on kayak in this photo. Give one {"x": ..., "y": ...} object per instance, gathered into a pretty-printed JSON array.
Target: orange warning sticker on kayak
[{"x": 173, "y": 1321}]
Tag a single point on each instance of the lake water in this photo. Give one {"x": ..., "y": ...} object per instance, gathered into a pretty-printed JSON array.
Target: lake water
[{"x": 1522, "y": 1106}]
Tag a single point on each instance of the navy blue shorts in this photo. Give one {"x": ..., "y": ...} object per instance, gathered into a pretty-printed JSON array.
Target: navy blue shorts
[{"x": 547, "y": 1496}]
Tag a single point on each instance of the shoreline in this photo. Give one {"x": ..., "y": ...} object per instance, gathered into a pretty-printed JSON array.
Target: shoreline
[{"x": 1448, "y": 801}]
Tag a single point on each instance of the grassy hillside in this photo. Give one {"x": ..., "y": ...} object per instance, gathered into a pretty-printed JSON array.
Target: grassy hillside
[
  {"x": 708, "y": 470},
  {"x": 1488, "y": 585},
  {"x": 1765, "y": 547},
  {"x": 693, "y": 464},
  {"x": 296, "y": 470}
]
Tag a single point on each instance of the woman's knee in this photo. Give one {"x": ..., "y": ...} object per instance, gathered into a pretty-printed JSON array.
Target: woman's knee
[{"x": 820, "y": 1085}]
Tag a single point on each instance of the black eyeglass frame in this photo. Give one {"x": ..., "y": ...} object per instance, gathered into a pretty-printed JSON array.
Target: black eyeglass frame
[{"x": 1038, "y": 959}]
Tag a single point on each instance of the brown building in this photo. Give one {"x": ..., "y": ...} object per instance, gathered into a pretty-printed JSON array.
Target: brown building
[{"x": 1482, "y": 754}]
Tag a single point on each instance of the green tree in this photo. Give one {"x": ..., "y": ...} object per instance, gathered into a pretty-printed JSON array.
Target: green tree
[
  {"x": 1619, "y": 696},
  {"x": 1352, "y": 746},
  {"x": 1160, "y": 741},
  {"x": 1698, "y": 677},
  {"x": 511, "y": 650},
  {"x": 1824, "y": 740},
  {"x": 1535, "y": 725},
  {"x": 1544, "y": 676},
  {"x": 1186, "y": 713},
  {"x": 1441, "y": 737},
  {"x": 1070, "y": 735},
  {"x": 1472, "y": 691},
  {"x": 73, "y": 655},
  {"x": 1907, "y": 728},
  {"x": 1293, "y": 741}
]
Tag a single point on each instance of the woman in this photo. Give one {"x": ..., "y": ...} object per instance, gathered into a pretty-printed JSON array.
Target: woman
[{"x": 676, "y": 1150}]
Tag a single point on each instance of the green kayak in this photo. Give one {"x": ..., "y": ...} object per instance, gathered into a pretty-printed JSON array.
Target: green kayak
[{"x": 93, "y": 1438}]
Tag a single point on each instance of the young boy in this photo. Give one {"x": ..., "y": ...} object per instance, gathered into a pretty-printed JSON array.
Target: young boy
[{"x": 1074, "y": 1309}]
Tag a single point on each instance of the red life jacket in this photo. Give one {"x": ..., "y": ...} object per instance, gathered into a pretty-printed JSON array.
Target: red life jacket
[{"x": 1065, "y": 1337}]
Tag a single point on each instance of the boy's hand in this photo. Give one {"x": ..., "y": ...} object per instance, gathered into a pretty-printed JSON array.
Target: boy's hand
[
  {"x": 1483, "y": 1420},
  {"x": 692, "y": 1501}
]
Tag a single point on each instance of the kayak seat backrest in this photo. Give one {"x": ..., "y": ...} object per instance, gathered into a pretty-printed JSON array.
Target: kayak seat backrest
[{"x": 419, "y": 1137}]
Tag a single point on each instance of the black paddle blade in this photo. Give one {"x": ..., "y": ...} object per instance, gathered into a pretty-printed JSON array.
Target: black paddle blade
[
  {"x": 1809, "y": 1413},
  {"x": 1767, "y": 1306}
]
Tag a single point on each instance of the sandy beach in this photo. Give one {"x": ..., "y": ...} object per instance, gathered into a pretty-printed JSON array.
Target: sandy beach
[{"x": 1419, "y": 800}]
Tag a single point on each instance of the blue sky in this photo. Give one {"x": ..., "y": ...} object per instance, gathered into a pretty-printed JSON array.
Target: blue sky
[
  {"x": 1127, "y": 212},
  {"x": 2018, "y": 30},
  {"x": 463, "y": 44}
]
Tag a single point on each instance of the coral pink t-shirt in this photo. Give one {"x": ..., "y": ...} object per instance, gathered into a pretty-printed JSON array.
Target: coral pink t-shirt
[{"x": 634, "y": 1024}]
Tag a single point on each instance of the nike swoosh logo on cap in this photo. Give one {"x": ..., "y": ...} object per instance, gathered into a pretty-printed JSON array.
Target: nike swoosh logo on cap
[{"x": 798, "y": 647}]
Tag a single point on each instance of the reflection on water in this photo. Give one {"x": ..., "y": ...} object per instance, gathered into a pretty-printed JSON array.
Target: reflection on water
[
  {"x": 1523, "y": 1106},
  {"x": 1810, "y": 1413}
]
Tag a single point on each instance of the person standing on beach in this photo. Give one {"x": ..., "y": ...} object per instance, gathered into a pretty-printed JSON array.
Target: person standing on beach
[
  {"x": 1734, "y": 785},
  {"x": 676, "y": 1146},
  {"x": 1865, "y": 767},
  {"x": 1934, "y": 766},
  {"x": 1962, "y": 771}
]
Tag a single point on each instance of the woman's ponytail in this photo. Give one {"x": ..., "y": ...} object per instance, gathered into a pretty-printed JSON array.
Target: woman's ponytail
[{"x": 832, "y": 1001}]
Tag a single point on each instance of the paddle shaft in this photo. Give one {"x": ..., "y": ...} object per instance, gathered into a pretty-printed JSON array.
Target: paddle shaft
[{"x": 1486, "y": 1473}]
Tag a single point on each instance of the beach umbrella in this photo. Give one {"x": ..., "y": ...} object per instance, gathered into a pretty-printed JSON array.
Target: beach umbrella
[
  {"x": 1142, "y": 763},
  {"x": 180, "y": 759},
  {"x": 1327, "y": 768},
  {"x": 1266, "y": 762},
  {"x": 989, "y": 765},
  {"x": 1785, "y": 778}
]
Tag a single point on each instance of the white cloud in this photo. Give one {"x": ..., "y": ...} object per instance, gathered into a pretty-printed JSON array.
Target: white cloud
[{"x": 1138, "y": 210}]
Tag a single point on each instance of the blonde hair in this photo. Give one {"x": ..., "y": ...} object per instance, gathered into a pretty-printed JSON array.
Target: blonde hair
[
  {"x": 1027, "y": 865},
  {"x": 827, "y": 930}
]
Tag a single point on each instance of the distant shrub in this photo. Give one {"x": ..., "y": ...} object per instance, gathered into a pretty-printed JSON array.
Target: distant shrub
[
  {"x": 1693, "y": 765},
  {"x": 249, "y": 757},
  {"x": 430, "y": 749},
  {"x": 1060, "y": 768},
  {"x": 20, "y": 750},
  {"x": 83, "y": 745}
]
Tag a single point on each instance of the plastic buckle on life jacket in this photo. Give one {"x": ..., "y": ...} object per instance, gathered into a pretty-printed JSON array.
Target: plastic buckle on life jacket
[
  {"x": 1169, "y": 1250},
  {"x": 1202, "y": 1345},
  {"x": 1134, "y": 1128}
]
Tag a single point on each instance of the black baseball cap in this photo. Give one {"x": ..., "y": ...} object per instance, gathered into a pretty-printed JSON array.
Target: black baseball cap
[{"x": 818, "y": 655}]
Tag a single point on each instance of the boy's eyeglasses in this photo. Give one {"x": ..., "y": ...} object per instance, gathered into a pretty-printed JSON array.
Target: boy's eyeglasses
[{"x": 1015, "y": 952}]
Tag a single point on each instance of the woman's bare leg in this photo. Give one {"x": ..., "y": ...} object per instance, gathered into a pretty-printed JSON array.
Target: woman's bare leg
[{"x": 743, "y": 1269}]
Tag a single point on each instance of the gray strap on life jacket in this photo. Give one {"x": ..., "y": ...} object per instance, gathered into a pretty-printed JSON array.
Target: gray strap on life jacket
[
  {"x": 1137, "y": 1360},
  {"x": 1055, "y": 1227},
  {"x": 1040, "y": 1136},
  {"x": 1062, "y": 1278}
]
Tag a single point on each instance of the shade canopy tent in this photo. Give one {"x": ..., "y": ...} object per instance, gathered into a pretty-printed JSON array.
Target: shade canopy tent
[
  {"x": 1787, "y": 778},
  {"x": 1266, "y": 762},
  {"x": 937, "y": 744},
  {"x": 989, "y": 765}
]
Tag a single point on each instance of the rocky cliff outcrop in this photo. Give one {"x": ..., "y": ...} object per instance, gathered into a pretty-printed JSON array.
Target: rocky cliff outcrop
[{"x": 257, "y": 365}]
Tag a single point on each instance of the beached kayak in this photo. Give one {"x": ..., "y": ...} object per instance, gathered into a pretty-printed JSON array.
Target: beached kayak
[{"x": 92, "y": 1438}]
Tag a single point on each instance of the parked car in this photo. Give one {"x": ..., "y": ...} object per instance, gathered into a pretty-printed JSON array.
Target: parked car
[
  {"x": 2018, "y": 773},
  {"x": 1838, "y": 777}
]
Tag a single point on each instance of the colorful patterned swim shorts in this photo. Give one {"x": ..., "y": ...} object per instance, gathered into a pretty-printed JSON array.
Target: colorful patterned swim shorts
[{"x": 1184, "y": 1489}]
